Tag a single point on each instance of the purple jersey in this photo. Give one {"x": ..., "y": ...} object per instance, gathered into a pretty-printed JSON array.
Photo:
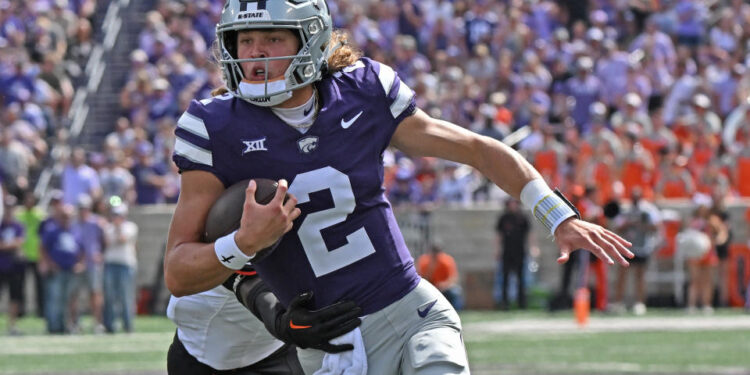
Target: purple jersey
[
  {"x": 62, "y": 246},
  {"x": 346, "y": 244},
  {"x": 10, "y": 231},
  {"x": 91, "y": 236}
]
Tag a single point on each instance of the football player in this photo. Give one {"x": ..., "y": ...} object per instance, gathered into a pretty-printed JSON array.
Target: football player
[
  {"x": 305, "y": 109},
  {"x": 215, "y": 333}
]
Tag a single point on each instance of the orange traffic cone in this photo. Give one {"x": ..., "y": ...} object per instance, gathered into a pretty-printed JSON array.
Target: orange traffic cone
[{"x": 582, "y": 306}]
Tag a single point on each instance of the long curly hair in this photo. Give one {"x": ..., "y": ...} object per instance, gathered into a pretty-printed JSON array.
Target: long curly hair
[{"x": 345, "y": 55}]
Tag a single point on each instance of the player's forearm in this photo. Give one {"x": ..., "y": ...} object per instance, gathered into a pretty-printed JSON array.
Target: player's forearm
[
  {"x": 423, "y": 135},
  {"x": 503, "y": 166},
  {"x": 256, "y": 297},
  {"x": 191, "y": 268}
]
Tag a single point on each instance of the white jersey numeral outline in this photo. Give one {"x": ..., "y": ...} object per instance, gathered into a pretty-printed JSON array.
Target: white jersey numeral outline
[{"x": 359, "y": 246}]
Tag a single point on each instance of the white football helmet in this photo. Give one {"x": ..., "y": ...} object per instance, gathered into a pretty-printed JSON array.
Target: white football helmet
[{"x": 309, "y": 18}]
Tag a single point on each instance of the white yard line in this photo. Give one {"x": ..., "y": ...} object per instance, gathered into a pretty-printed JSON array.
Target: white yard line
[
  {"x": 610, "y": 324},
  {"x": 611, "y": 368},
  {"x": 72, "y": 344}
]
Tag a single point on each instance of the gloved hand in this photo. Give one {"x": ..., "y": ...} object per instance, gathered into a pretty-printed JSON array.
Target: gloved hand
[{"x": 315, "y": 328}]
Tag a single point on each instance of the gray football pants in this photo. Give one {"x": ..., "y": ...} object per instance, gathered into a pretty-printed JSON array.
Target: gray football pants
[{"x": 399, "y": 341}]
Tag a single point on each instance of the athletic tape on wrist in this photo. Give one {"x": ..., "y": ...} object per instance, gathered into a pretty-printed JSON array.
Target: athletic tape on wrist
[
  {"x": 230, "y": 256},
  {"x": 547, "y": 207}
]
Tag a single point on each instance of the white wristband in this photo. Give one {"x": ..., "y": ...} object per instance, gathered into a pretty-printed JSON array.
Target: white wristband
[
  {"x": 545, "y": 205},
  {"x": 230, "y": 256}
]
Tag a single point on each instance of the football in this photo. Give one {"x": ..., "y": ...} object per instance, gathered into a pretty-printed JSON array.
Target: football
[{"x": 224, "y": 216}]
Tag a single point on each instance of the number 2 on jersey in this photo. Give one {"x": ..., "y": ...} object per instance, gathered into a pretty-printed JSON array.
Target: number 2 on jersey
[{"x": 359, "y": 245}]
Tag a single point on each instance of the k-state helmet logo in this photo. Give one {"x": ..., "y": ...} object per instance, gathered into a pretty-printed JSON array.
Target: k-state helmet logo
[
  {"x": 253, "y": 10},
  {"x": 253, "y": 5},
  {"x": 308, "y": 144}
]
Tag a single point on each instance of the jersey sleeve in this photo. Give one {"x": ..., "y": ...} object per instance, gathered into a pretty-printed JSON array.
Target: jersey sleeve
[
  {"x": 193, "y": 149},
  {"x": 401, "y": 99}
]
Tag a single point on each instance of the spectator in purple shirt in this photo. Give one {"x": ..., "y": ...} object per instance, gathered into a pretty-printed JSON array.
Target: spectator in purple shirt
[
  {"x": 388, "y": 20},
  {"x": 726, "y": 35},
  {"x": 480, "y": 23},
  {"x": 79, "y": 179},
  {"x": 611, "y": 69},
  {"x": 405, "y": 189},
  {"x": 55, "y": 212},
  {"x": 89, "y": 229},
  {"x": 12, "y": 236},
  {"x": 690, "y": 17},
  {"x": 408, "y": 61},
  {"x": 20, "y": 81},
  {"x": 585, "y": 88},
  {"x": 725, "y": 90},
  {"x": 561, "y": 48},
  {"x": 154, "y": 27},
  {"x": 410, "y": 19},
  {"x": 9, "y": 22},
  {"x": 200, "y": 14},
  {"x": 655, "y": 42},
  {"x": 149, "y": 176},
  {"x": 162, "y": 103},
  {"x": 541, "y": 17},
  {"x": 116, "y": 180},
  {"x": 63, "y": 257}
]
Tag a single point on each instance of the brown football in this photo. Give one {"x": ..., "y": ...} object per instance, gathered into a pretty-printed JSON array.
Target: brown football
[{"x": 224, "y": 216}]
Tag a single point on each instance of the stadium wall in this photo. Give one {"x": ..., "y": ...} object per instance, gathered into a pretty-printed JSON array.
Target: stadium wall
[{"x": 466, "y": 233}]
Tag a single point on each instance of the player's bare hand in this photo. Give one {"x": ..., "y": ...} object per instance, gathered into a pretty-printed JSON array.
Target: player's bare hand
[
  {"x": 575, "y": 234},
  {"x": 261, "y": 226}
]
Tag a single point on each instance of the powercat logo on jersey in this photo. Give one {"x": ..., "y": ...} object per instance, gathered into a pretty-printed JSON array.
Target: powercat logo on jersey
[
  {"x": 308, "y": 144},
  {"x": 253, "y": 9},
  {"x": 254, "y": 145}
]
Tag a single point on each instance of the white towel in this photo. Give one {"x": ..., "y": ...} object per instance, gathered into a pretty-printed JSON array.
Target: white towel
[{"x": 352, "y": 362}]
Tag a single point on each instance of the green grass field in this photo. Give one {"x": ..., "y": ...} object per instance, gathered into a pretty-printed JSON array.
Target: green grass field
[{"x": 497, "y": 343}]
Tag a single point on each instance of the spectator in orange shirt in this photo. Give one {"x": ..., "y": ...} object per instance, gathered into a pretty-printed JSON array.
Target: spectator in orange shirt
[
  {"x": 675, "y": 181},
  {"x": 439, "y": 268},
  {"x": 636, "y": 166}
]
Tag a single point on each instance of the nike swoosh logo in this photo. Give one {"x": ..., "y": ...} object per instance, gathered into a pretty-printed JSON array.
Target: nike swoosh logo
[
  {"x": 307, "y": 111},
  {"x": 294, "y": 326},
  {"x": 423, "y": 312},
  {"x": 346, "y": 124}
]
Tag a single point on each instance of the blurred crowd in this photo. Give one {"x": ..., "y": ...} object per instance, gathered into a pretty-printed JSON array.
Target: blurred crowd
[
  {"x": 617, "y": 94},
  {"x": 44, "y": 46},
  {"x": 67, "y": 252},
  {"x": 606, "y": 98}
]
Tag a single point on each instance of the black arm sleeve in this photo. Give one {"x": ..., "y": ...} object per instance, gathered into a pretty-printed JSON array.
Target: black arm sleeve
[
  {"x": 297, "y": 324},
  {"x": 255, "y": 295}
]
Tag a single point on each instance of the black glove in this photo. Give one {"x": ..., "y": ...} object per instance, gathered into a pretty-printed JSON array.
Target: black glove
[{"x": 314, "y": 328}]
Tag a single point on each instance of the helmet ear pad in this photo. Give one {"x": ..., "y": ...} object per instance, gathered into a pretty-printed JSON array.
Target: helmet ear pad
[
  {"x": 230, "y": 42},
  {"x": 230, "y": 46}
]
